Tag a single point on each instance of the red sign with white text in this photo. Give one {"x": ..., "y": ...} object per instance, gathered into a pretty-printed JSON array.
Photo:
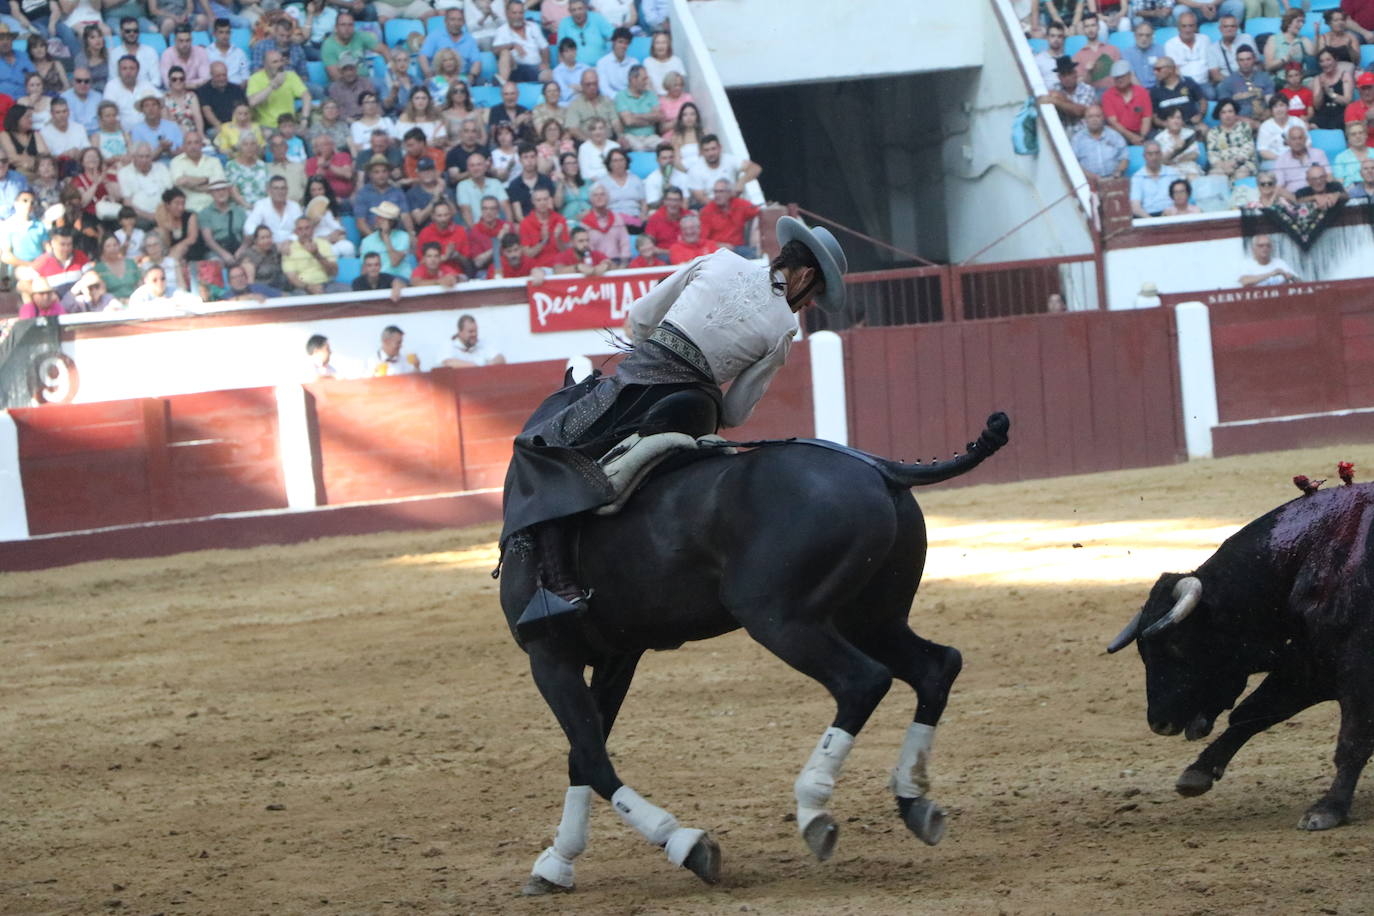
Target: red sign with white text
[{"x": 587, "y": 303}]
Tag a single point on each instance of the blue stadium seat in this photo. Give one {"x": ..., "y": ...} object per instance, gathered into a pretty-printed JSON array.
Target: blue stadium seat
[
  {"x": 1038, "y": 44},
  {"x": 242, "y": 39},
  {"x": 1262, "y": 25},
  {"x": 378, "y": 69},
  {"x": 434, "y": 24},
  {"x": 1135, "y": 159},
  {"x": 397, "y": 30},
  {"x": 315, "y": 70},
  {"x": 1210, "y": 116},
  {"x": 350, "y": 269},
  {"x": 1202, "y": 157},
  {"x": 1073, "y": 44},
  {"x": 488, "y": 60},
  {"x": 531, "y": 94},
  {"x": 350, "y": 228},
  {"x": 152, "y": 39},
  {"x": 642, "y": 163},
  {"x": 1322, "y": 6},
  {"x": 1331, "y": 142},
  {"x": 1211, "y": 29},
  {"x": 21, "y": 44},
  {"x": 486, "y": 96},
  {"x": 639, "y": 47},
  {"x": 1248, "y": 182},
  {"x": 1366, "y": 55},
  {"x": 203, "y": 39},
  {"x": 1121, "y": 40},
  {"x": 1164, "y": 34}
]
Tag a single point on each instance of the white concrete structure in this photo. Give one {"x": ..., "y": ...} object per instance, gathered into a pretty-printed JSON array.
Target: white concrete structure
[
  {"x": 1197, "y": 377},
  {"x": 14, "y": 518}
]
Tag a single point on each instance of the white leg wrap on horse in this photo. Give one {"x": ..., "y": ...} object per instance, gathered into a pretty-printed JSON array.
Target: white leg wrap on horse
[
  {"x": 555, "y": 864},
  {"x": 814, "y": 786},
  {"x": 911, "y": 778},
  {"x": 649, "y": 819}
]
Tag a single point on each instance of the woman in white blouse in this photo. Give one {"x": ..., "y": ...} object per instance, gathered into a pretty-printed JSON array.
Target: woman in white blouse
[{"x": 662, "y": 61}]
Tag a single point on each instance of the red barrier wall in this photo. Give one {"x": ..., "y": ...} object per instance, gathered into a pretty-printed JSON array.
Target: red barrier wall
[
  {"x": 120, "y": 462},
  {"x": 1086, "y": 391}
]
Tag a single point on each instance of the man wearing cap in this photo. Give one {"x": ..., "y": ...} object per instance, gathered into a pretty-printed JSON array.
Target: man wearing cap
[
  {"x": 164, "y": 136},
  {"x": 428, "y": 191},
  {"x": 1069, "y": 97},
  {"x": 277, "y": 212},
  {"x": 1247, "y": 85},
  {"x": 1359, "y": 109},
  {"x": 1126, "y": 106},
  {"x": 274, "y": 91},
  {"x": 378, "y": 189},
  {"x": 14, "y": 65},
  {"x": 719, "y": 319},
  {"x": 346, "y": 89},
  {"x": 222, "y": 223},
  {"x": 194, "y": 172}
]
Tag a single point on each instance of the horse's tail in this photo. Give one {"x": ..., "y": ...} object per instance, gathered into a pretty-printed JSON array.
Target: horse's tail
[{"x": 993, "y": 437}]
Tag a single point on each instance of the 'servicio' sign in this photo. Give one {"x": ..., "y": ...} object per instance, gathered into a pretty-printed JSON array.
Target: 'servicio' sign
[{"x": 586, "y": 303}]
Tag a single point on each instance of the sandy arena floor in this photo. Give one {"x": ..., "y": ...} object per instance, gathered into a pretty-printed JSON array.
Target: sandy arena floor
[{"x": 346, "y": 727}]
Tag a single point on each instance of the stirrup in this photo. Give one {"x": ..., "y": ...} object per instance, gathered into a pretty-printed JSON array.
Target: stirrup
[{"x": 548, "y": 613}]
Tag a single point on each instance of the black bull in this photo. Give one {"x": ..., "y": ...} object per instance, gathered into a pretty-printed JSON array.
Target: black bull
[
  {"x": 1290, "y": 594},
  {"x": 815, "y": 553}
]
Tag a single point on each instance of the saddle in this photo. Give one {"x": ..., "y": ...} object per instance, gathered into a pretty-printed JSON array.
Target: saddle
[{"x": 631, "y": 462}]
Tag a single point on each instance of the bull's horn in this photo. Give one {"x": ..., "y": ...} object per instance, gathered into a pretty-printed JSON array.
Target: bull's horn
[
  {"x": 1126, "y": 636},
  {"x": 1187, "y": 594}
]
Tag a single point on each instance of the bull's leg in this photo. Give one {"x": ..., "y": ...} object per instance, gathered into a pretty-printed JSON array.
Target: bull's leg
[
  {"x": 857, "y": 683},
  {"x": 559, "y": 679},
  {"x": 930, "y": 669},
  {"x": 1354, "y": 745},
  {"x": 553, "y": 870},
  {"x": 1277, "y": 698}
]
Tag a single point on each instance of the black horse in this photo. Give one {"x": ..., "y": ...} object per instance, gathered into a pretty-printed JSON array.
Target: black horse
[{"x": 816, "y": 552}]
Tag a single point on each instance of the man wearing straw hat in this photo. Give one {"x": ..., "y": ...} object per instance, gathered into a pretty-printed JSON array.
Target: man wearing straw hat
[{"x": 719, "y": 319}]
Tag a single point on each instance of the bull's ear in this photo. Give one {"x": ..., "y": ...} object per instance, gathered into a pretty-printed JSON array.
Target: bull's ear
[
  {"x": 568, "y": 377},
  {"x": 1127, "y": 635}
]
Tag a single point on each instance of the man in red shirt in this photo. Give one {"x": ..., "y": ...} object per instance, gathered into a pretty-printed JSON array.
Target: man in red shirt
[
  {"x": 1127, "y": 106},
  {"x": 690, "y": 244},
  {"x": 543, "y": 231},
  {"x": 433, "y": 270},
  {"x": 724, "y": 218},
  {"x": 513, "y": 263},
  {"x": 648, "y": 255},
  {"x": 580, "y": 258},
  {"x": 61, "y": 265},
  {"x": 484, "y": 235},
  {"x": 1359, "y": 109},
  {"x": 451, "y": 238},
  {"x": 662, "y": 226},
  {"x": 1361, "y": 16},
  {"x": 337, "y": 167}
]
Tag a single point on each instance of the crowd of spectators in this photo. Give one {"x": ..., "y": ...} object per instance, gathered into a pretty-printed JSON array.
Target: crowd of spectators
[
  {"x": 185, "y": 151},
  {"x": 1210, "y": 106}
]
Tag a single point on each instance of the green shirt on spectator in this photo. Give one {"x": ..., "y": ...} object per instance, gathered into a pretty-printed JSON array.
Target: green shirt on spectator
[
  {"x": 226, "y": 226},
  {"x": 645, "y": 103},
  {"x": 360, "y": 44}
]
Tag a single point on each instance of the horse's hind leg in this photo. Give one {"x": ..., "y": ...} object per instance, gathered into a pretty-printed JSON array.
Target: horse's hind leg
[
  {"x": 857, "y": 683},
  {"x": 560, "y": 681},
  {"x": 930, "y": 669}
]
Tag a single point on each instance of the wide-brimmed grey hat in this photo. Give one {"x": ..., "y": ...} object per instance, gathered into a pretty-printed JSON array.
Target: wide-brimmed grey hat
[{"x": 827, "y": 251}]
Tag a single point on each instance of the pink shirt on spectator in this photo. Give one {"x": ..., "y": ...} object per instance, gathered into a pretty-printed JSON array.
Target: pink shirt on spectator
[
  {"x": 670, "y": 108},
  {"x": 197, "y": 68}
]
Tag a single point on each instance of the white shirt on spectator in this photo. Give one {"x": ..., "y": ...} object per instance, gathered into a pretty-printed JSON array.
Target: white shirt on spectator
[
  {"x": 1273, "y": 138},
  {"x": 144, "y": 191},
  {"x": 526, "y": 50},
  {"x": 481, "y": 353},
  {"x": 1222, "y": 57},
  {"x": 234, "y": 60},
  {"x": 617, "y": 12},
  {"x": 614, "y": 74},
  {"x": 702, "y": 177},
  {"x": 1252, "y": 268},
  {"x": 1191, "y": 62},
  {"x": 653, "y": 185},
  {"x": 658, "y": 69},
  {"x": 129, "y": 115},
  {"x": 149, "y": 63},
  {"x": 61, "y": 142},
  {"x": 283, "y": 224},
  {"x": 399, "y": 364},
  {"x": 592, "y": 161}
]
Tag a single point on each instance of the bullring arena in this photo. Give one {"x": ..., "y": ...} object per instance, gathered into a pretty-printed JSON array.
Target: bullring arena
[{"x": 345, "y": 726}]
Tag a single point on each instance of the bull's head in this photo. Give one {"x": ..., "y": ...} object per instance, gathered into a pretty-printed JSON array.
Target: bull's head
[{"x": 1192, "y": 675}]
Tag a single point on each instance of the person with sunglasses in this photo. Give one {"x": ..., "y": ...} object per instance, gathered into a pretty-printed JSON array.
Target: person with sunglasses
[{"x": 149, "y": 67}]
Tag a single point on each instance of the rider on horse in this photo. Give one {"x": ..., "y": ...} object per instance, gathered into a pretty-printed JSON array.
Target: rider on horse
[{"x": 716, "y": 320}]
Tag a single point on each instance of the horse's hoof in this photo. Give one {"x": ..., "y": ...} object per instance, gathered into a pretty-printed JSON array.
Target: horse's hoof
[
  {"x": 1192, "y": 783},
  {"x": 925, "y": 819},
  {"x": 704, "y": 860},
  {"x": 1321, "y": 819},
  {"x": 821, "y": 835},
  {"x": 538, "y": 886}
]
